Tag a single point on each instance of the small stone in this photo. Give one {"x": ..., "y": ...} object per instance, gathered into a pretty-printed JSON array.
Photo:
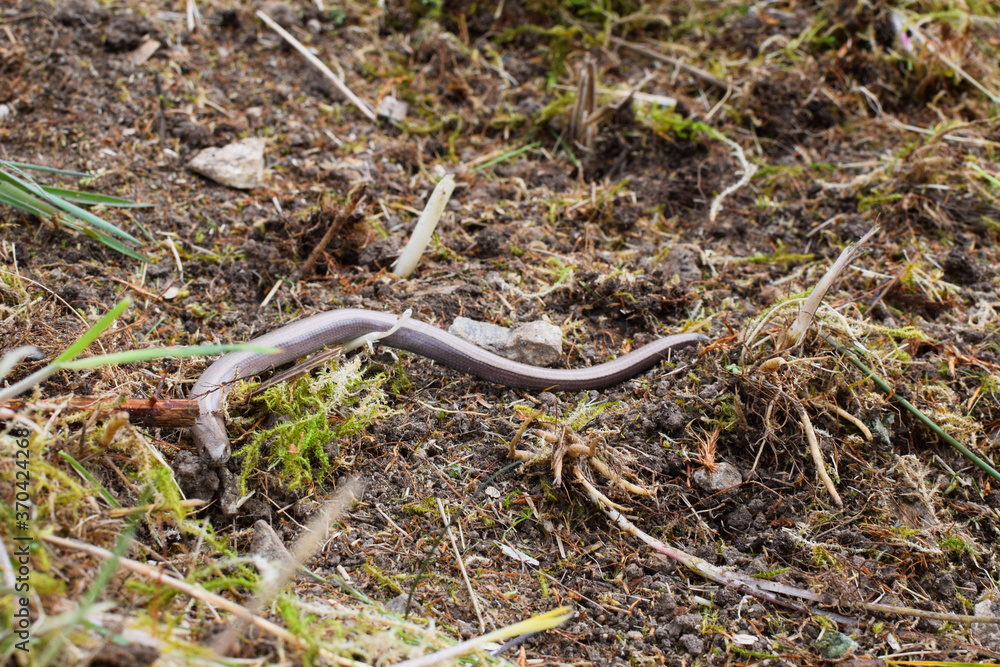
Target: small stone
[
  {"x": 484, "y": 334},
  {"x": 725, "y": 476},
  {"x": 144, "y": 52},
  {"x": 266, "y": 544},
  {"x": 397, "y": 605},
  {"x": 239, "y": 165},
  {"x": 633, "y": 636},
  {"x": 537, "y": 343},
  {"x": 833, "y": 645},
  {"x": 693, "y": 644},
  {"x": 987, "y": 634},
  {"x": 683, "y": 263},
  {"x": 393, "y": 109},
  {"x": 6, "y": 113}
]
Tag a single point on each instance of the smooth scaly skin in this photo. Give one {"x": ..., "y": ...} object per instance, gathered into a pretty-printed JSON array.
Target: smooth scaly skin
[{"x": 307, "y": 335}]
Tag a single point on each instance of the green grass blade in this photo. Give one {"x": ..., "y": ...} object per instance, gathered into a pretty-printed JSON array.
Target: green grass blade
[
  {"x": 66, "y": 206},
  {"x": 13, "y": 196},
  {"x": 89, "y": 336},
  {"x": 134, "y": 356},
  {"x": 90, "y": 478},
  {"x": 887, "y": 388},
  {"x": 89, "y": 217},
  {"x": 506, "y": 156},
  {"x": 92, "y": 198},
  {"x": 50, "y": 170},
  {"x": 18, "y": 198},
  {"x": 112, "y": 243}
]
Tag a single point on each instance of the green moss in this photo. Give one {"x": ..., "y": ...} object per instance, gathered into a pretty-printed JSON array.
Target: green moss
[
  {"x": 958, "y": 546},
  {"x": 317, "y": 412},
  {"x": 425, "y": 507},
  {"x": 779, "y": 256},
  {"x": 559, "y": 106},
  {"x": 770, "y": 573},
  {"x": 381, "y": 578},
  {"x": 876, "y": 200}
]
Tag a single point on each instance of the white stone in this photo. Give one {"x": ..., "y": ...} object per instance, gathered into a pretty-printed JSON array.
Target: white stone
[
  {"x": 725, "y": 476},
  {"x": 537, "y": 343},
  {"x": 393, "y": 109},
  {"x": 987, "y": 634},
  {"x": 239, "y": 165}
]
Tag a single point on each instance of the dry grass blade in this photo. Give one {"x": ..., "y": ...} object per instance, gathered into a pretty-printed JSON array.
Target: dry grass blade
[
  {"x": 422, "y": 233},
  {"x": 461, "y": 566},
  {"x": 807, "y": 311},
  {"x": 817, "y": 456},
  {"x": 360, "y": 104}
]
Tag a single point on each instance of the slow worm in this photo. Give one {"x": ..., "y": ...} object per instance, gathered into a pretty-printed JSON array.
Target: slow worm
[{"x": 307, "y": 335}]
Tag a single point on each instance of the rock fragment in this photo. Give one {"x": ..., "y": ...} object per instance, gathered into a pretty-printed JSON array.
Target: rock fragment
[
  {"x": 725, "y": 476},
  {"x": 987, "y": 634},
  {"x": 537, "y": 343},
  {"x": 393, "y": 109},
  {"x": 239, "y": 165}
]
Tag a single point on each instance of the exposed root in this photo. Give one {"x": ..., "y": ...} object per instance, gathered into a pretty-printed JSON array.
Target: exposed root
[{"x": 817, "y": 456}]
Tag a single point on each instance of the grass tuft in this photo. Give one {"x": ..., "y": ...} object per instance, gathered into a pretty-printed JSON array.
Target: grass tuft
[{"x": 59, "y": 206}]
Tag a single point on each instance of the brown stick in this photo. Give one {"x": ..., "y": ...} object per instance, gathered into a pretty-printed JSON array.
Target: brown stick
[
  {"x": 334, "y": 227},
  {"x": 164, "y": 413}
]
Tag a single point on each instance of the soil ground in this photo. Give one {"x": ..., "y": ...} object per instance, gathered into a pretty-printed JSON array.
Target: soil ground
[{"x": 845, "y": 123}]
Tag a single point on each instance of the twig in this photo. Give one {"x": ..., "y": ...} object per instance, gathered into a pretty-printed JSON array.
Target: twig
[
  {"x": 760, "y": 589},
  {"x": 335, "y": 225},
  {"x": 558, "y": 454},
  {"x": 362, "y": 106},
  {"x": 615, "y": 478},
  {"x": 807, "y": 311},
  {"x": 461, "y": 566},
  {"x": 512, "y": 454},
  {"x": 170, "y": 413},
  {"x": 817, "y": 456}
]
